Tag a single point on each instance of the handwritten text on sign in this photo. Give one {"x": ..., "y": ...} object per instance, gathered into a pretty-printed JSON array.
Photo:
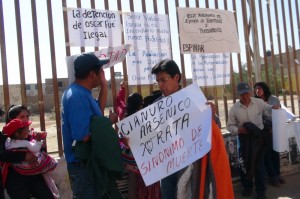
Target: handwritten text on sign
[
  {"x": 204, "y": 30},
  {"x": 115, "y": 54},
  {"x": 211, "y": 69},
  {"x": 145, "y": 30},
  {"x": 140, "y": 63},
  {"x": 89, "y": 27},
  {"x": 170, "y": 134}
]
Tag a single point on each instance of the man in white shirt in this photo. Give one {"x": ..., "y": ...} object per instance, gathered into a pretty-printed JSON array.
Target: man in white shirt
[{"x": 245, "y": 120}]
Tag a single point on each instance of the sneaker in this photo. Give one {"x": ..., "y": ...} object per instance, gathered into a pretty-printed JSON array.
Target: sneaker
[
  {"x": 261, "y": 196},
  {"x": 247, "y": 192}
]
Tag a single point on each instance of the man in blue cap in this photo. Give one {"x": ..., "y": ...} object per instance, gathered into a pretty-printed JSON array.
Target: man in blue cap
[
  {"x": 78, "y": 107},
  {"x": 245, "y": 120}
]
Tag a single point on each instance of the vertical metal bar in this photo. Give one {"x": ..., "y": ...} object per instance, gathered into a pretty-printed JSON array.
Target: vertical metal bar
[
  {"x": 294, "y": 53},
  {"x": 215, "y": 87},
  {"x": 274, "y": 76},
  {"x": 183, "y": 77},
  {"x": 93, "y": 6},
  {"x": 20, "y": 52},
  {"x": 280, "y": 54},
  {"x": 112, "y": 70},
  {"x": 139, "y": 89},
  {"x": 264, "y": 43},
  {"x": 155, "y": 11},
  {"x": 247, "y": 44},
  {"x": 231, "y": 72},
  {"x": 54, "y": 81},
  {"x": 287, "y": 57},
  {"x": 256, "y": 54},
  {"x": 238, "y": 57},
  {"x": 66, "y": 30},
  {"x": 82, "y": 49},
  {"x": 38, "y": 66},
  {"x": 4, "y": 59},
  {"x": 125, "y": 76}
]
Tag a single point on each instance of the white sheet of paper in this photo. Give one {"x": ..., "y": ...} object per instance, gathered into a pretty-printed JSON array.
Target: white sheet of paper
[
  {"x": 116, "y": 55},
  {"x": 169, "y": 134},
  {"x": 211, "y": 69},
  {"x": 90, "y": 27},
  {"x": 289, "y": 114}
]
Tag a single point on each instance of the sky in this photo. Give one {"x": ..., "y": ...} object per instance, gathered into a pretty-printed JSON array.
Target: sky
[{"x": 43, "y": 32}]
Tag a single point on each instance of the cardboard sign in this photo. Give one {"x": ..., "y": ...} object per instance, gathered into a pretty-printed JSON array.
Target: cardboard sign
[
  {"x": 170, "y": 134},
  {"x": 204, "y": 30}
]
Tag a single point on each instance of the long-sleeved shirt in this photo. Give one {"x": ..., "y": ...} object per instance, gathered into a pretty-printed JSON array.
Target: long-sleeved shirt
[{"x": 239, "y": 114}]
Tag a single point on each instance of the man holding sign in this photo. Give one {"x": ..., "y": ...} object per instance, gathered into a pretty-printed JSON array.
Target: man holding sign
[{"x": 187, "y": 183}]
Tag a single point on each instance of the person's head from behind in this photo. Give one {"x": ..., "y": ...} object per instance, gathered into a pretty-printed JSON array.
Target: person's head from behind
[
  {"x": 151, "y": 98},
  {"x": 17, "y": 129},
  {"x": 168, "y": 76},
  {"x": 261, "y": 90},
  {"x": 88, "y": 66},
  {"x": 244, "y": 91},
  {"x": 17, "y": 112},
  {"x": 134, "y": 103}
]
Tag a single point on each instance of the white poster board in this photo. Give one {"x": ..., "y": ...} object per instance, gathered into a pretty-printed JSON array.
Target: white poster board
[
  {"x": 211, "y": 69},
  {"x": 140, "y": 63},
  {"x": 169, "y": 134},
  {"x": 279, "y": 135},
  {"x": 204, "y": 30},
  {"x": 116, "y": 55},
  {"x": 90, "y": 27},
  {"x": 145, "y": 30}
]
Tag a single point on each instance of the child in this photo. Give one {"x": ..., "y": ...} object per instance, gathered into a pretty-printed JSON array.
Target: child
[{"x": 20, "y": 139}]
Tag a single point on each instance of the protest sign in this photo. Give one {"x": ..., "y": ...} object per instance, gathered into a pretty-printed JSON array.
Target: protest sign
[
  {"x": 140, "y": 63},
  {"x": 204, "y": 30},
  {"x": 115, "y": 54},
  {"x": 144, "y": 30},
  {"x": 169, "y": 134},
  {"x": 211, "y": 69},
  {"x": 90, "y": 27}
]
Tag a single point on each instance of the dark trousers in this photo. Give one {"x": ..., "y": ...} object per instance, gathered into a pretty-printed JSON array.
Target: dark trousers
[
  {"x": 22, "y": 187},
  {"x": 251, "y": 155},
  {"x": 259, "y": 176},
  {"x": 272, "y": 160},
  {"x": 272, "y": 163}
]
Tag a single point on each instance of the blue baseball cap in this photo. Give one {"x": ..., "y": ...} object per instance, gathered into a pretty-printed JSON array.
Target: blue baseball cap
[{"x": 243, "y": 87}]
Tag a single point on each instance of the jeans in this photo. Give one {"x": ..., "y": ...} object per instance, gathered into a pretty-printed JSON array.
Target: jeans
[{"x": 81, "y": 183}]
